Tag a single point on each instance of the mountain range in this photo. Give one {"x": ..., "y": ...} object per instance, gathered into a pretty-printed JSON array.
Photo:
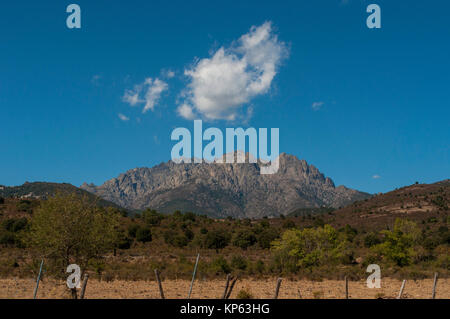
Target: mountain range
[{"x": 221, "y": 190}]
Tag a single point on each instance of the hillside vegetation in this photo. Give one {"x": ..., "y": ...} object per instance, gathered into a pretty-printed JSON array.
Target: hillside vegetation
[{"x": 405, "y": 231}]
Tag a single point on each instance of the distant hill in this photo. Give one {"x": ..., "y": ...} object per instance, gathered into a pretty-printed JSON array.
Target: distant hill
[
  {"x": 419, "y": 202},
  {"x": 41, "y": 190},
  {"x": 221, "y": 190}
]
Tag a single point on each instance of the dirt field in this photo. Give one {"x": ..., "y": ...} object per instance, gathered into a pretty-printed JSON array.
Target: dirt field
[{"x": 211, "y": 289}]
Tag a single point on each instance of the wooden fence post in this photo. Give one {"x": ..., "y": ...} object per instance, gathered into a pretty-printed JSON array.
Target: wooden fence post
[
  {"x": 161, "y": 292},
  {"x": 38, "y": 279},
  {"x": 277, "y": 289},
  {"x": 231, "y": 287},
  {"x": 193, "y": 276},
  {"x": 83, "y": 286},
  {"x": 226, "y": 286},
  {"x": 400, "y": 293},
  {"x": 433, "y": 296}
]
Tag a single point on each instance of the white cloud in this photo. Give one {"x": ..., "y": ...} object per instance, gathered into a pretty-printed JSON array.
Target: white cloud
[
  {"x": 147, "y": 93},
  {"x": 221, "y": 85},
  {"x": 376, "y": 176},
  {"x": 123, "y": 117},
  {"x": 169, "y": 74},
  {"x": 185, "y": 111},
  {"x": 317, "y": 105}
]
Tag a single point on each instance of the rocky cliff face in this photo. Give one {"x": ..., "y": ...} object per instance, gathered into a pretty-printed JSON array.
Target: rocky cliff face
[{"x": 221, "y": 190}]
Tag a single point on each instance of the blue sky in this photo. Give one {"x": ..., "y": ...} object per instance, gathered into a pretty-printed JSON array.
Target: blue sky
[{"x": 357, "y": 103}]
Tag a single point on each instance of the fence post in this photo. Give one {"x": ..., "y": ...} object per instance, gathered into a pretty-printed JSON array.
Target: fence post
[
  {"x": 38, "y": 279},
  {"x": 193, "y": 276},
  {"x": 161, "y": 292},
  {"x": 226, "y": 286},
  {"x": 433, "y": 296},
  {"x": 83, "y": 286},
  {"x": 277, "y": 289},
  {"x": 231, "y": 287},
  {"x": 400, "y": 293}
]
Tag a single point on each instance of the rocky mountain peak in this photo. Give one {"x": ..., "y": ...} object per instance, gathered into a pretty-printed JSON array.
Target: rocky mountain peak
[{"x": 222, "y": 190}]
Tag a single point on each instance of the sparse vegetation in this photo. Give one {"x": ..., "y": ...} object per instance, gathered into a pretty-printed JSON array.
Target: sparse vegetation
[{"x": 317, "y": 246}]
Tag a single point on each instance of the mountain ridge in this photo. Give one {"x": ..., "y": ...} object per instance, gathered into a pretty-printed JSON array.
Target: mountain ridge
[{"x": 222, "y": 190}]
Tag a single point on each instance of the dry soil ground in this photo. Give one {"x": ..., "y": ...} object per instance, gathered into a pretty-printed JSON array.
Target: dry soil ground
[{"x": 204, "y": 289}]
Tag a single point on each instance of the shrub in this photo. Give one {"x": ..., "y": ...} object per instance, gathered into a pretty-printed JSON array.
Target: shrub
[
  {"x": 371, "y": 239},
  {"x": 259, "y": 266},
  {"x": 244, "y": 294},
  {"x": 244, "y": 239},
  {"x": 143, "y": 235},
  {"x": 239, "y": 262},
  {"x": 7, "y": 238},
  {"x": 132, "y": 229},
  {"x": 123, "y": 241},
  {"x": 217, "y": 239},
  {"x": 152, "y": 217},
  {"x": 220, "y": 265},
  {"x": 398, "y": 244},
  {"x": 288, "y": 224},
  {"x": 175, "y": 239},
  {"x": 266, "y": 237},
  {"x": 2, "y": 200},
  {"x": 24, "y": 206},
  {"x": 310, "y": 247},
  {"x": 19, "y": 224},
  {"x": 189, "y": 217},
  {"x": 189, "y": 234}
]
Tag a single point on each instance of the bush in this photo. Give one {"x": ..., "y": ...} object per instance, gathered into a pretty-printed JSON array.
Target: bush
[
  {"x": 15, "y": 225},
  {"x": 143, "y": 235},
  {"x": 244, "y": 239},
  {"x": 24, "y": 206},
  {"x": 2, "y": 200},
  {"x": 175, "y": 239},
  {"x": 189, "y": 234},
  {"x": 238, "y": 262},
  {"x": 123, "y": 241},
  {"x": 310, "y": 247},
  {"x": 244, "y": 294},
  {"x": 132, "y": 229},
  {"x": 288, "y": 224},
  {"x": 266, "y": 237},
  {"x": 371, "y": 239},
  {"x": 152, "y": 217},
  {"x": 399, "y": 243},
  {"x": 259, "y": 266},
  {"x": 7, "y": 238},
  {"x": 217, "y": 239},
  {"x": 220, "y": 265}
]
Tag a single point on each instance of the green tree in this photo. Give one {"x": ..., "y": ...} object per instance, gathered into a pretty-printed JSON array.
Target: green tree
[
  {"x": 288, "y": 224},
  {"x": 72, "y": 229},
  {"x": 152, "y": 217},
  {"x": 244, "y": 238},
  {"x": 309, "y": 247},
  {"x": 217, "y": 239},
  {"x": 143, "y": 234},
  {"x": 266, "y": 237},
  {"x": 398, "y": 245}
]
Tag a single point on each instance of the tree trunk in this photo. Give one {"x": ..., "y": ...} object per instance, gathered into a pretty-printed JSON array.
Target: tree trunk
[{"x": 74, "y": 293}]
